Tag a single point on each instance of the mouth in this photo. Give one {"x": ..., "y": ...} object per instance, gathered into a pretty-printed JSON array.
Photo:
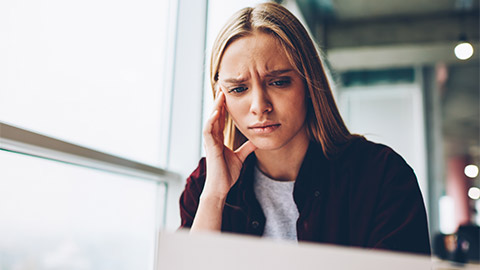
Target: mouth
[{"x": 264, "y": 128}]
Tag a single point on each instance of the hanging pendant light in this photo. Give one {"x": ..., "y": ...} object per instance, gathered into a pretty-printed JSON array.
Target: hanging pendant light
[{"x": 463, "y": 50}]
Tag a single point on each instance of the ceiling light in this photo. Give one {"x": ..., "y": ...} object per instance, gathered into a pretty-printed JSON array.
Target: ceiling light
[
  {"x": 471, "y": 171},
  {"x": 463, "y": 50},
  {"x": 474, "y": 193}
]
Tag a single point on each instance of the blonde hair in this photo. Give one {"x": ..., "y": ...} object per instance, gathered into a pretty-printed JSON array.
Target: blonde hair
[{"x": 324, "y": 123}]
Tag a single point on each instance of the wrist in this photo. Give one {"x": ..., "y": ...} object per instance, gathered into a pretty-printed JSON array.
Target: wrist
[
  {"x": 213, "y": 196},
  {"x": 214, "y": 190}
]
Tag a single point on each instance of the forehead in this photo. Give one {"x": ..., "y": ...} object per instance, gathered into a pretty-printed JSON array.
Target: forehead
[{"x": 259, "y": 52}]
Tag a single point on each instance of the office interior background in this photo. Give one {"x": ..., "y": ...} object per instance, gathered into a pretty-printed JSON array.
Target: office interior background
[{"x": 102, "y": 104}]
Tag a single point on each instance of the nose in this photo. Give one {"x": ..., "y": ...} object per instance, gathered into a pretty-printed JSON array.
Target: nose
[{"x": 260, "y": 102}]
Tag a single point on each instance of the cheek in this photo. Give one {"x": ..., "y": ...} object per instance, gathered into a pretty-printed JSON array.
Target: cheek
[
  {"x": 295, "y": 103},
  {"x": 303, "y": 109},
  {"x": 236, "y": 109},
  {"x": 301, "y": 101}
]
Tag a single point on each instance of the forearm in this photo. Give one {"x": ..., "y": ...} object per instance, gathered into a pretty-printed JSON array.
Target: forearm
[{"x": 209, "y": 213}]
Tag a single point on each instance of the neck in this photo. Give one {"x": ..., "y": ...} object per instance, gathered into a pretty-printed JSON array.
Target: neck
[{"x": 283, "y": 164}]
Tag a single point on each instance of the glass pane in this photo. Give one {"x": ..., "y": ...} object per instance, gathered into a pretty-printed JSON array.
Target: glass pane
[
  {"x": 88, "y": 72},
  {"x": 59, "y": 216}
]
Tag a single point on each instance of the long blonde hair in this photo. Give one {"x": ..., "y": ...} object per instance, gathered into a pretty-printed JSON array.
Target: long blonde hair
[{"x": 324, "y": 123}]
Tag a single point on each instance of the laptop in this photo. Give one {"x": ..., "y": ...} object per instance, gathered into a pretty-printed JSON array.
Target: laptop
[{"x": 214, "y": 251}]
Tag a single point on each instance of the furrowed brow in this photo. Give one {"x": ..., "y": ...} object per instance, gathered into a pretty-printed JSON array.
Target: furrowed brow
[
  {"x": 272, "y": 73},
  {"x": 278, "y": 72},
  {"x": 234, "y": 80}
]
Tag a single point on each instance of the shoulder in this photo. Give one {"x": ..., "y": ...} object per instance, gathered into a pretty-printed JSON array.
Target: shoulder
[
  {"x": 360, "y": 146},
  {"x": 368, "y": 153},
  {"x": 383, "y": 187},
  {"x": 373, "y": 164}
]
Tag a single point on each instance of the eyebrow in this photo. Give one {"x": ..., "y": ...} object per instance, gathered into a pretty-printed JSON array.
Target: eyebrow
[
  {"x": 234, "y": 80},
  {"x": 278, "y": 72},
  {"x": 272, "y": 73}
]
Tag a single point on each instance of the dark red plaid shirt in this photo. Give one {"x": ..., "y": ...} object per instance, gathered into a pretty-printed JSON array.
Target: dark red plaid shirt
[{"x": 365, "y": 196}]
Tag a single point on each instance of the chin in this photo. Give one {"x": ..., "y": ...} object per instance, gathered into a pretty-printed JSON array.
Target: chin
[{"x": 266, "y": 144}]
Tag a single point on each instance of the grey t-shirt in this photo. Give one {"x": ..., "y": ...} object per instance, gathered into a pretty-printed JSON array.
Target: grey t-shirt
[{"x": 276, "y": 199}]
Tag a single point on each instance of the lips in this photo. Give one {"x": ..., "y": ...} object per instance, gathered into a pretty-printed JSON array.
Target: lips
[{"x": 264, "y": 127}]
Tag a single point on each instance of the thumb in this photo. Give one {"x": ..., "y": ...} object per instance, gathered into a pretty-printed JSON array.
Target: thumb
[{"x": 243, "y": 151}]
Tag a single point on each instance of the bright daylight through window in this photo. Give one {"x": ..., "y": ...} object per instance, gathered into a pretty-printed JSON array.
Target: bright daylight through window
[
  {"x": 92, "y": 76},
  {"x": 88, "y": 72}
]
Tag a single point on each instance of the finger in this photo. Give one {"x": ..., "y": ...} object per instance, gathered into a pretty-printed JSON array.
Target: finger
[
  {"x": 211, "y": 129},
  {"x": 243, "y": 151},
  {"x": 217, "y": 104},
  {"x": 219, "y": 100},
  {"x": 209, "y": 125},
  {"x": 220, "y": 125},
  {"x": 223, "y": 111},
  {"x": 222, "y": 117}
]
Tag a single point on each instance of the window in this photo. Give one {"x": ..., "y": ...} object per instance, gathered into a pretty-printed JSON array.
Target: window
[
  {"x": 60, "y": 216},
  {"x": 88, "y": 72},
  {"x": 85, "y": 94}
]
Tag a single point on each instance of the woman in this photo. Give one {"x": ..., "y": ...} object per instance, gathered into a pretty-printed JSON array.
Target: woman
[{"x": 295, "y": 173}]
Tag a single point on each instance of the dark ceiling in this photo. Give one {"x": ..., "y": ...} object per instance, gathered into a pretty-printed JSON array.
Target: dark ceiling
[
  {"x": 346, "y": 23},
  {"x": 344, "y": 10}
]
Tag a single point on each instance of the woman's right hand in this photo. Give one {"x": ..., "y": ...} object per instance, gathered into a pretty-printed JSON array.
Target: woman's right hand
[{"x": 223, "y": 164}]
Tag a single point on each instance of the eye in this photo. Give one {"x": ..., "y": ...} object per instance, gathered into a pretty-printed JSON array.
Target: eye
[
  {"x": 281, "y": 82},
  {"x": 238, "y": 89}
]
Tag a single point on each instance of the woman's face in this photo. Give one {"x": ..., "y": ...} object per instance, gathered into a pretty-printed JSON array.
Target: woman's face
[{"x": 265, "y": 96}]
